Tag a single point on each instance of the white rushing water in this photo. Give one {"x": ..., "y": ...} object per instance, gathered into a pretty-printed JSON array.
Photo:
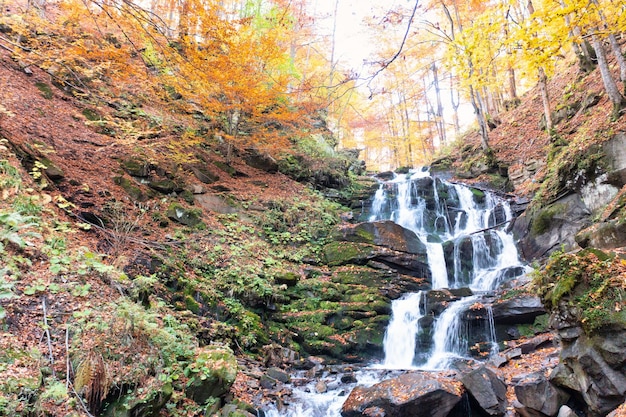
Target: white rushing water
[
  {"x": 461, "y": 230},
  {"x": 443, "y": 215},
  {"x": 400, "y": 336}
]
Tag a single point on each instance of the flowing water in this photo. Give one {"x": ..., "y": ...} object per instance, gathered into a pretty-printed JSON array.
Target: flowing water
[{"x": 464, "y": 235}]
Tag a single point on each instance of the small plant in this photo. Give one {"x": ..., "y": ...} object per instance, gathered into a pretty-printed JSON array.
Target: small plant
[
  {"x": 6, "y": 292},
  {"x": 14, "y": 229}
]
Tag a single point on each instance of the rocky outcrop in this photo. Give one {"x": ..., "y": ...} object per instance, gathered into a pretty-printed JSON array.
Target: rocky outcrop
[
  {"x": 537, "y": 397},
  {"x": 487, "y": 390},
  {"x": 551, "y": 227},
  {"x": 586, "y": 192},
  {"x": 384, "y": 243},
  {"x": 413, "y": 394},
  {"x": 523, "y": 308},
  {"x": 592, "y": 367}
]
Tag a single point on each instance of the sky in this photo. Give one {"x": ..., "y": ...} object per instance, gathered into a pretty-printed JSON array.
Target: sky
[{"x": 354, "y": 40}]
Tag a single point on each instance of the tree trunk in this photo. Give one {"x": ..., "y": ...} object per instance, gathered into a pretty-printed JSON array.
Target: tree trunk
[
  {"x": 617, "y": 52},
  {"x": 610, "y": 86},
  {"x": 619, "y": 57},
  {"x": 545, "y": 100},
  {"x": 441, "y": 128},
  {"x": 480, "y": 117}
]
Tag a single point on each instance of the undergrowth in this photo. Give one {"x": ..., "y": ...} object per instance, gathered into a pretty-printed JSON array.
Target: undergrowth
[{"x": 590, "y": 283}]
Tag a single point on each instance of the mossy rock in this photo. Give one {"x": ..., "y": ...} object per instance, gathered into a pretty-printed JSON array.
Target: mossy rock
[
  {"x": 136, "y": 167},
  {"x": 289, "y": 279},
  {"x": 165, "y": 186},
  {"x": 52, "y": 171},
  {"x": 203, "y": 174},
  {"x": 225, "y": 167},
  {"x": 211, "y": 374},
  {"x": 183, "y": 216},
  {"x": 543, "y": 219},
  {"x": 149, "y": 404},
  {"x": 343, "y": 253},
  {"x": 132, "y": 189}
]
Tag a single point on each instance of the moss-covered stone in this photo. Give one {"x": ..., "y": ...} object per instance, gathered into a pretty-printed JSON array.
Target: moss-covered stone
[
  {"x": 183, "y": 216},
  {"x": 136, "y": 167},
  {"x": 211, "y": 374},
  {"x": 343, "y": 253},
  {"x": 131, "y": 189},
  {"x": 288, "y": 278},
  {"x": 164, "y": 186}
]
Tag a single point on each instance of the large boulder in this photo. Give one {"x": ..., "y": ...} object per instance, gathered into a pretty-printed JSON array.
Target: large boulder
[
  {"x": 487, "y": 390},
  {"x": 593, "y": 367},
  {"x": 383, "y": 233},
  {"x": 211, "y": 374},
  {"x": 413, "y": 394},
  {"x": 542, "y": 231},
  {"x": 538, "y": 397},
  {"x": 522, "y": 308}
]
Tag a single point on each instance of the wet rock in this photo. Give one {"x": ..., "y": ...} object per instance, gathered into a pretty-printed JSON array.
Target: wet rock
[
  {"x": 383, "y": 233},
  {"x": 523, "y": 308},
  {"x": 348, "y": 378},
  {"x": 321, "y": 387},
  {"x": 534, "y": 343},
  {"x": 594, "y": 369},
  {"x": 279, "y": 375},
  {"x": 538, "y": 396},
  {"x": 487, "y": 390},
  {"x": 385, "y": 176},
  {"x": 411, "y": 394},
  {"x": 551, "y": 227}
]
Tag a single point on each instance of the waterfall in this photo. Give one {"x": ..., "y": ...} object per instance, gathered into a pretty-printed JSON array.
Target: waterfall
[
  {"x": 465, "y": 247},
  {"x": 400, "y": 336}
]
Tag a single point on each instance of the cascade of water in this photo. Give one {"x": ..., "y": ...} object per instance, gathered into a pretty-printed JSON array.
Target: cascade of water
[
  {"x": 464, "y": 249},
  {"x": 454, "y": 216},
  {"x": 492, "y": 331},
  {"x": 399, "y": 342},
  {"x": 449, "y": 336}
]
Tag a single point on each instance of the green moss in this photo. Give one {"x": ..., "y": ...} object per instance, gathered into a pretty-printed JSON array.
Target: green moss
[
  {"x": 45, "y": 89},
  {"x": 543, "y": 219},
  {"x": 188, "y": 217},
  {"x": 589, "y": 281},
  {"x": 225, "y": 167},
  {"x": 342, "y": 253},
  {"x": 91, "y": 115},
  {"x": 131, "y": 189},
  {"x": 191, "y": 304}
]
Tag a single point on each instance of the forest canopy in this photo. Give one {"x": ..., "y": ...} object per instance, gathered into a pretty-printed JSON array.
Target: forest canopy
[{"x": 264, "y": 66}]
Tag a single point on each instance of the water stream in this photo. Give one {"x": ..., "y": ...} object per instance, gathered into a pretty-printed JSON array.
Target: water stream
[{"x": 464, "y": 235}]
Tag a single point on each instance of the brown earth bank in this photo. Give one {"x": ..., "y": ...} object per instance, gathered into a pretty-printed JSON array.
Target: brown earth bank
[{"x": 135, "y": 283}]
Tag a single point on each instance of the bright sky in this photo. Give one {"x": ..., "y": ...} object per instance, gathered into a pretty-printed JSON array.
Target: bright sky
[{"x": 354, "y": 41}]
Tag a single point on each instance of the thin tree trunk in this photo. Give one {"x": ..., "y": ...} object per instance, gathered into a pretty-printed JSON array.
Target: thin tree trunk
[
  {"x": 480, "y": 117},
  {"x": 440, "y": 122},
  {"x": 615, "y": 48},
  {"x": 610, "y": 86},
  {"x": 545, "y": 100},
  {"x": 583, "y": 51}
]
